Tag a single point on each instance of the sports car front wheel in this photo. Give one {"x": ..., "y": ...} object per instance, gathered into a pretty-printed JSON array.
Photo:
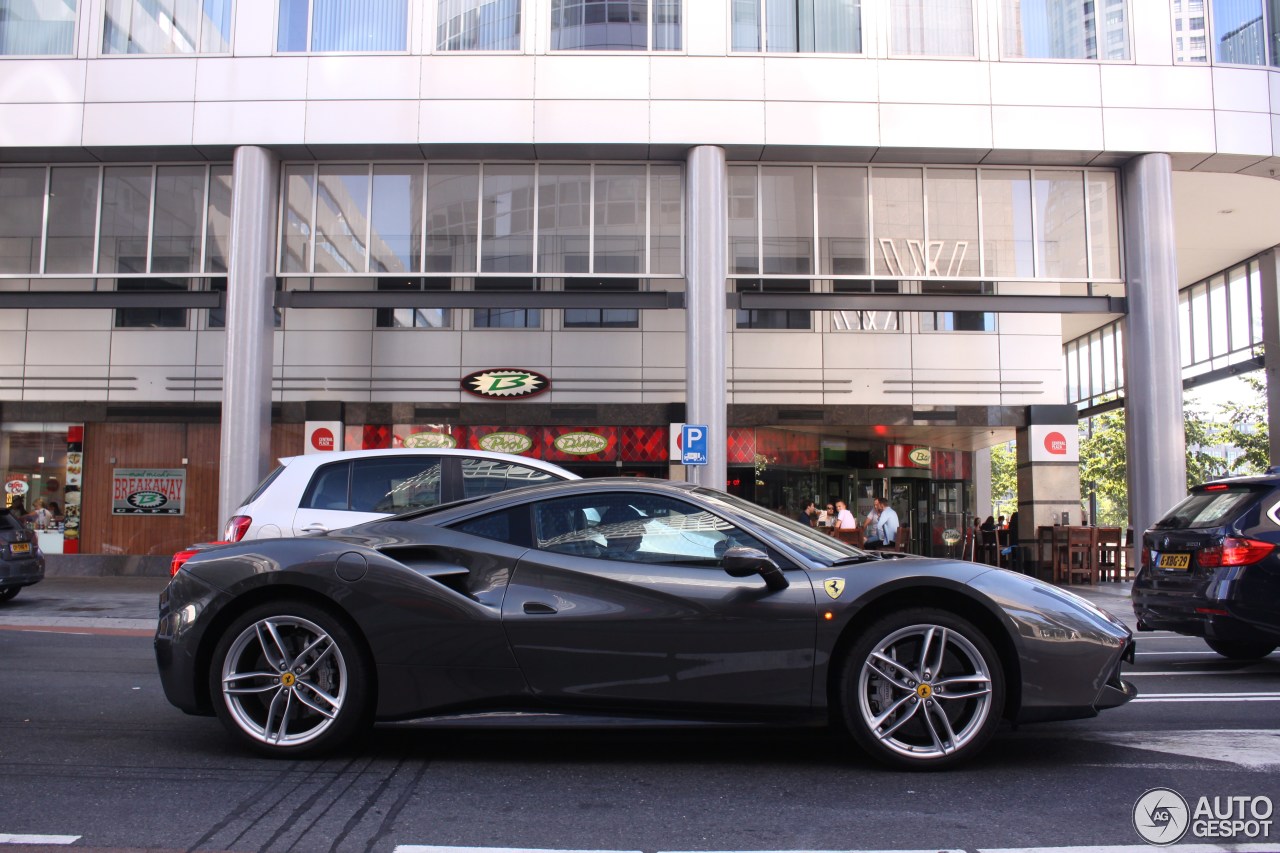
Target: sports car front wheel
[
  {"x": 290, "y": 680},
  {"x": 922, "y": 688}
]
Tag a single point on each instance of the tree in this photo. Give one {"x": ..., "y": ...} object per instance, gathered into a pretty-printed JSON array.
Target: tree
[
  {"x": 1004, "y": 479},
  {"x": 1246, "y": 428}
]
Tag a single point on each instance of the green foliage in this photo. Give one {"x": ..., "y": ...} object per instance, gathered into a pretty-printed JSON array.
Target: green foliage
[
  {"x": 1004, "y": 479},
  {"x": 1246, "y": 428}
]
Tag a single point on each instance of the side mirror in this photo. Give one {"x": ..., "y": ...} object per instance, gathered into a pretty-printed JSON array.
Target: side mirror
[{"x": 743, "y": 562}]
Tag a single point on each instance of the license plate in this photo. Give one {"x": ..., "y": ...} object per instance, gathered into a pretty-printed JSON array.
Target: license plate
[
  {"x": 19, "y": 547},
  {"x": 1177, "y": 562}
]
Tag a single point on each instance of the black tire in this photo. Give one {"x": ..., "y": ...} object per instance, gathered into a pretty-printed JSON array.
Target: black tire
[
  {"x": 1241, "y": 649},
  {"x": 320, "y": 698},
  {"x": 901, "y": 712},
  {"x": 8, "y": 592}
]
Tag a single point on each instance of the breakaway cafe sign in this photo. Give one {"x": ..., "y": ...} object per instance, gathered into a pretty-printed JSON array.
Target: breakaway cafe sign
[{"x": 148, "y": 491}]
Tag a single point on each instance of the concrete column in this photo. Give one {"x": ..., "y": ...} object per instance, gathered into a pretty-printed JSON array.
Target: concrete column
[
  {"x": 707, "y": 207},
  {"x": 1048, "y": 482},
  {"x": 1271, "y": 344},
  {"x": 1156, "y": 446},
  {"x": 245, "y": 452}
]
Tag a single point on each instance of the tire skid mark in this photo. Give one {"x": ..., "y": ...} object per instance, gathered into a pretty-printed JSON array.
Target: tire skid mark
[
  {"x": 320, "y": 768},
  {"x": 393, "y": 813},
  {"x": 369, "y": 770},
  {"x": 238, "y": 811},
  {"x": 331, "y": 795}
]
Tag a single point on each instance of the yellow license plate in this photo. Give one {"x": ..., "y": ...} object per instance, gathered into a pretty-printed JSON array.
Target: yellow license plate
[
  {"x": 20, "y": 548},
  {"x": 1180, "y": 562}
]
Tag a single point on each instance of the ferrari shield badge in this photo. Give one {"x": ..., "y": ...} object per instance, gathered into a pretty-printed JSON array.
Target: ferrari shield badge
[{"x": 833, "y": 586}]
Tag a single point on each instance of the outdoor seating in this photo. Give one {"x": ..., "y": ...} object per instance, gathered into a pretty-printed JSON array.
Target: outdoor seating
[
  {"x": 1108, "y": 555},
  {"x": 1077, "y": 556}
]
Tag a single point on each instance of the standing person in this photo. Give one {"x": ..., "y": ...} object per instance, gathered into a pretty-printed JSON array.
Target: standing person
[
  {"x": 808, "y": 514},
  {"x": 886, "y": 526},
  {"x": 18, "y": 508},
  {"x": 869, "y": 525},
  {"x": 844, "y": 518}
]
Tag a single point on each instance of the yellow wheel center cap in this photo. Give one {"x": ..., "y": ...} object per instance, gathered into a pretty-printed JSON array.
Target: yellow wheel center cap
[
  {"x": 288, "y": 679},
  {"x": 924, "y": 691}
]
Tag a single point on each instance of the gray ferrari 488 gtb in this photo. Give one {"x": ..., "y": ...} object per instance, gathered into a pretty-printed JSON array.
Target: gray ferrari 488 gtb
[{"x": 624, "y": 597}]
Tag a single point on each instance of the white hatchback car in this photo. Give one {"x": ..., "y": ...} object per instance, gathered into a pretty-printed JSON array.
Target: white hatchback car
[{"x": 329, "y": 491}]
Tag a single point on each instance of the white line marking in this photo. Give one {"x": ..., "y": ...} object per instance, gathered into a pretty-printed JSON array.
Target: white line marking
[
  {"x": 38, "y": 839},
  {"x": 1252, "y": 748},
  {"x": 1120, "y": 848},
  {"x": 1208, "y": 697},
  {"x": 1131, "y": 673},
  {"x": 1138, "y": 848},
  {"x": 1206, "y": 653},
  {"x": 422, "y": 848}
]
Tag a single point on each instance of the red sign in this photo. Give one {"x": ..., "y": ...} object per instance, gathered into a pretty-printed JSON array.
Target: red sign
[
  {"x": 1056, "y": 443},
  {"x": 322, "y": 439}
]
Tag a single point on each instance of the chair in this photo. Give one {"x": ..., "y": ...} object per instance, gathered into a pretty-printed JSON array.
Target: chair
[
  {"x": 902, "y": 539},
  {"x": 1109, "y": 553},
  {"x": 1129, "y": 568},
  {"x": 1077, "y": 557},
  {"x": 851, "y": 537}
]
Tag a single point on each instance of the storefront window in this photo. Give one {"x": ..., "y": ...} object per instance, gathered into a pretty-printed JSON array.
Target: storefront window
[{"x": 42, "y": 480}]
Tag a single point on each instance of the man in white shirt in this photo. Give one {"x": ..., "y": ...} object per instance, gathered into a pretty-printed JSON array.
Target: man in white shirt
[
  {"x": 844, "y": 518},
  {"x": 886, "y": 526}
]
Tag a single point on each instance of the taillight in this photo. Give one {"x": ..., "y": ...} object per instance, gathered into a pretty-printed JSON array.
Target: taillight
[
  {"x": 1146, "y": 557},
  {"x": 181, "y": 558},
  {"x": 237, "y": 527},
  {"x": 1234, "y": 551}
]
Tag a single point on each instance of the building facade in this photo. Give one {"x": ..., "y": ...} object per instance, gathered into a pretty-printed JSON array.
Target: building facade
[{"x": 849, "y": 238}]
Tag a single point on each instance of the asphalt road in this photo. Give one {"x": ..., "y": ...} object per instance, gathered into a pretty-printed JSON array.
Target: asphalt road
[{"x": 92, "y": 756}]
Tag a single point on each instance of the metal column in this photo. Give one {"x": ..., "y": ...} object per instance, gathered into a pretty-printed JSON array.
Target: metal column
[
  {"x": 1270, "y": 292},
  {"x": 1156, "y": 446},
  {"x": 245, "y": 452},
  {"x": 707, "y": 206}
]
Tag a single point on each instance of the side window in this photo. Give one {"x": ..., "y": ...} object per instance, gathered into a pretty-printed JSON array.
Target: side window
[
  {"x": 502, "y": 526},
  {"x": 395, "y": 484},
  {"x": 328, "y": 487},
  {"x": 636, "y": 527},
  {"x": 487, "y": 476}
]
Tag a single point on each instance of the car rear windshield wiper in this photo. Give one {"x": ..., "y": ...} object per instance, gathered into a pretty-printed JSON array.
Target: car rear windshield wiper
[{"x": 852, "y": 561}]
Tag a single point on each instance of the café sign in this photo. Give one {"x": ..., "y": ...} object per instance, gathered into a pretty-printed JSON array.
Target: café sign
[
  {"x": 581, "y": 443},
  {"x": 433, "y": 440},
  {"x": 505, "y": 442},
  {"x": 505, "y": 384},
  {"x": 148, "y": 491}
]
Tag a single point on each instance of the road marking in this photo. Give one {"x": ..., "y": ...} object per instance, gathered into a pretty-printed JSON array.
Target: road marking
[
  {"x": 1118, "y": 848},
  {"x": 1138, "y": 848},
  {"x": 38, "y": 839},
  {"x": 1208, "y": 697},
  {"x": 423, "y": 848},
  {"x": 1130, "y": 673},
  {"x": 1205, "y": 653},
  {"x": 1252, "y": 748}
]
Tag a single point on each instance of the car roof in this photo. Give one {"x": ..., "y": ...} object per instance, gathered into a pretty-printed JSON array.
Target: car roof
[
  {"x": 1271, "y": 478},
  {"x": 341, "y": 455}
]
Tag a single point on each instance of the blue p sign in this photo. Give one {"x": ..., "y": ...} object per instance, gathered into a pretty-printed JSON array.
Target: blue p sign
[{"x": 693, "y": 444}]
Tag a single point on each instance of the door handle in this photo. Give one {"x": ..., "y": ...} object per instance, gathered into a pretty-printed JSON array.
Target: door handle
[
  {"x": 537, "y": 608},
  {"x": 315, "y": 528}
]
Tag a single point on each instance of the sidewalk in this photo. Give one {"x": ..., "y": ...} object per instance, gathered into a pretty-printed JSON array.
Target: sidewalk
[{"x": 127, "y": 604}]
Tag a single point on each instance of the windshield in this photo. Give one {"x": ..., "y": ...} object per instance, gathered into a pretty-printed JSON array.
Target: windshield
[
  {"x": 1212, "y": 507},
  {"x": 818, "y": 547}
]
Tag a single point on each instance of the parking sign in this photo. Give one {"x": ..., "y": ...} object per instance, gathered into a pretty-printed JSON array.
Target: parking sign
[{"x": 693, "y": 444}]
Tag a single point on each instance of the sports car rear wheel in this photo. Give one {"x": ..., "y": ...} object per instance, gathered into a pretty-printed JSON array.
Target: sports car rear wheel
[
  {"x": 922, "y": 688},
  {"x": 1241, "y": 650},
  {"x": 290, "y": 680}
]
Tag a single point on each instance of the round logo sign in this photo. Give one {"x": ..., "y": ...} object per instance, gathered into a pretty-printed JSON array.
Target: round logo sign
[
  {"x": 505, "y": 442},
  {"x": 581, "y": 443},
  {"x": 147, "y": 500},
  {"x": 429, "y": 439},
  {"x": 922, "y": 457},
  {"x": 322, "y": 439},
  {"x": 1056, "y": 443},
  {"x": 1161, "y": 816},
  {"x": 16, "y": 487},
  {"x": 950, "y": 536},
  {"x": 505, "y": 384}
]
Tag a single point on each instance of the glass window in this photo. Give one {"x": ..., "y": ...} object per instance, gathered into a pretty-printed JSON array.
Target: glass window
[
  {"x": 636, "y": 527},
  {"x": 953, "y": 223},
  {"x": 329, "y": 488},
  {"x": 295, "y": 233},
  {"x": 1238, "y": 34},
  {"x": 37, "y": 27},
  {"x": 322, "y": 26},
  {"x": 666, "y": 220},
  {"x": 957, "y": 321},
  {"x": 619, "y": 219},
  {"x": 390, "y": 484},
  {"x": 218, "y": 237},
  {"x": 798, "y": 26},
  {"x": 342, "y": 218},
  {"x": 453, "y": 214},
  {"x": 931, "y": 27},
  {"x": 602, "y": 318},
  {"x": 1006, "y": 223},
  {"x": 773, "y": 318},
  {"x": 153, "y": 317},
  {"x": 1239, "y": 311},
  {"x": 1219, "y": 336},
  {"x": 1104, "y": 224},
  {"x": 1061, "y": 249},
  {"x": 842, "y": 220},
  {"x": 506, "y": 318},
  {"x": 478, "y": 25},
  {"x": 497, "y": 526},
  {"x": 615, "y": 24},
  {"x": 744, "y": 233},
  {"x": 564, "y": 223},
  {"x": 507, "y": 229},
  {"x": 126, "y": 208},
  {"x": 179, "y": 216},
  {"x": 413, "y": 318},
  {"x": 167, "y": 26},
  {"x": 1063, "y": 29},
  {"x": 395, "y": 238},
  {"x": 866, "y": 321},
  {"x": 488, "y": 476},
  {"x": 1208, "y": 509},
  {"x": 786, "y": 221},
  {"x": 1273, "y": 31},
  {"x": 898, "y": 221},
  {"x": 73, "y": 212},
  {"x": 21, "y": 218}
]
